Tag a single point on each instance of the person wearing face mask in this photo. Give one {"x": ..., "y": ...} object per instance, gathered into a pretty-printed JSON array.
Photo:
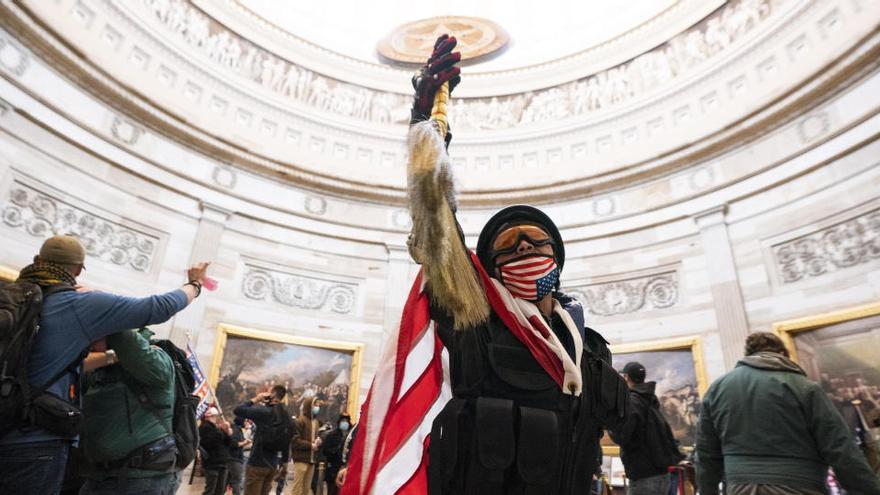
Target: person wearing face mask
[
  {"x": 532, "y": 386},
  {"x": 331, "y": 452},
  {"x": 304, "y": 446}
]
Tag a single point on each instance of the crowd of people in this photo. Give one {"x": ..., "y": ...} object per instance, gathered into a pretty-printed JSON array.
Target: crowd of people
[
  {"x": 252, "y": 454},
  {"x": 92, "y": 403},
  {"x": 103, "y": 410}
]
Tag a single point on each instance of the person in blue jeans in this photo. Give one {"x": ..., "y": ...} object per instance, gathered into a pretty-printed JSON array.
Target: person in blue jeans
[{"x": 32, "y": 459}]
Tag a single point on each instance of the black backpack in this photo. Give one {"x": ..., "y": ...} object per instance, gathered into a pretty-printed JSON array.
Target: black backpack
[
  {"x": 185, "y": 428},
  {"x": 21, "y": 305},
  {"x": 275, "y": 436}
]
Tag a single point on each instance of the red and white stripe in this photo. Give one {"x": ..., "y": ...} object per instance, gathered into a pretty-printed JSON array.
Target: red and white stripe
[
  {"x": 409, "y": 389},
  {"x": 521, "y": 276}
]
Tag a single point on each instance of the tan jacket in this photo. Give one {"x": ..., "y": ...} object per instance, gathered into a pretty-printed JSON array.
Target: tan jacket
[{"x": 305, "y": 430}]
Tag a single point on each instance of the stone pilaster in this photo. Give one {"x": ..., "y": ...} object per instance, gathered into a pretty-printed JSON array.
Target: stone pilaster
[
  {"x": 730, "y": 313},
  {"x": 206, "y": 246},
  {"x": 400, "y": 276}
]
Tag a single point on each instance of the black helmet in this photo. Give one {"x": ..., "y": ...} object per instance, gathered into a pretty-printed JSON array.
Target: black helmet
[{"x": 516, "y": 215}]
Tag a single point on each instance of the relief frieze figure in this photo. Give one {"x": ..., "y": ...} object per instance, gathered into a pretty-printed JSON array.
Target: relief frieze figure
[{"x": 614, "y": 86}]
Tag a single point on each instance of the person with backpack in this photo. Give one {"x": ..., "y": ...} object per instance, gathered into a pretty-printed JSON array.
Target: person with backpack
[
  {"x": 128, "y": 411},
  {"x": 647, "y": 447},
  {"x": 271, "y": 446},
  {"x": 46, "y": 329}
]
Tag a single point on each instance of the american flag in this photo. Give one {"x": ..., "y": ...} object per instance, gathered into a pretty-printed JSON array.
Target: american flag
[
  {"x": 411, "y": 386},
  {"x": 408, "y": 391},
  {"x": 202, "y": 389},
  {"x": 524, "y": 277}
]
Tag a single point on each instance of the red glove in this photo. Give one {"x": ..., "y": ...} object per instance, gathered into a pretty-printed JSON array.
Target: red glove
[{"x": 439, "y": 69}]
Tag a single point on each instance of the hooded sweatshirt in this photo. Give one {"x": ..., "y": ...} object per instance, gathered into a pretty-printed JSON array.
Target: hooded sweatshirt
[
  {"x": 647, "y": 447},
  {"x": 765, "y": 422}
]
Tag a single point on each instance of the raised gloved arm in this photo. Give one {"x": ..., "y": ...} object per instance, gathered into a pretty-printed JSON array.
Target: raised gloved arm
[
  {"x": 439, "y": 68},
  {"x": 436, "y": 240}
]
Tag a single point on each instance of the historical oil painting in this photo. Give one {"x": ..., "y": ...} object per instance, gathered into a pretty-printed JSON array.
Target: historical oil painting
[{"x": 249, "y": 361}]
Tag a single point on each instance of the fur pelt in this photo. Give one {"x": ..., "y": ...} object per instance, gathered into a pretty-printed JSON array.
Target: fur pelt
[{"x": 436, "y": 241}]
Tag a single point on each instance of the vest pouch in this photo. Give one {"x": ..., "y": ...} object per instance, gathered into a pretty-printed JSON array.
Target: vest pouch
[
  {"x": 496, "y": 445},
  {"x": 538, "y": 451},
  {"x": 443, "y": 447},
  {"x": 517, "y": 367},
  {"x": 55, "y": 414}
]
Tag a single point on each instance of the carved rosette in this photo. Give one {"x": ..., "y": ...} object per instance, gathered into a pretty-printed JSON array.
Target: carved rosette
[
  {"x": 843, "y": 245},
  {"x": 619, "y": 297},
  {"x": 299, "y": 291},
  {"x": 41, "y": 215}
]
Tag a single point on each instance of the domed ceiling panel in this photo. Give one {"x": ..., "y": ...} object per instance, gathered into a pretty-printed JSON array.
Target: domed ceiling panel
[
  {"x": 549, "y": 45},
  {"x": 540, "y": 32}
]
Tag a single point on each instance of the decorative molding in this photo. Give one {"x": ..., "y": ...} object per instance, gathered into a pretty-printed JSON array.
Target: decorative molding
[
  {"x": 12, "y": 57},
  {"x": 617, "y": 297},
  {"x": 311, "y": 292},
  {"x": 125, "y": 131},
  {"x": 413, "y": 42},
  {"x": 848, "y": 243},
  {"x": 401, "y": 218},
  {"x": 43, "y": 216},
  {"x": 604, "y": 207},
  {"x": 316, "y": 205},
  {"x": 701, "y": 178},
  {"x": 813, "y": 125},
  {"x": 224, "y": 176}
]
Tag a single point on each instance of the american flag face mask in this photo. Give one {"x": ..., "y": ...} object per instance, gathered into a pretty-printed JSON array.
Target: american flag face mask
[{"x": 531, "y": 277}]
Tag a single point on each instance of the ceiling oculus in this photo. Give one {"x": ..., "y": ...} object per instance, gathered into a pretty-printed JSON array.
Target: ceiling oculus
[{"x": 413, "y": 42}]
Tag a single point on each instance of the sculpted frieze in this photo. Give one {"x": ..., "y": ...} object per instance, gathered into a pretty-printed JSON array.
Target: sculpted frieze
[
  {"x": 299, "y": 291},
  {"x": 617, "y": 297},
  {"x": 42, "y": 215},
  {"x": 849, "y": 243},
  {"x": 611, "y": 87}
]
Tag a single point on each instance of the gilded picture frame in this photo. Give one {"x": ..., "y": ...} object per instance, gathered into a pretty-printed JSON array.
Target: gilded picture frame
[
  {"x": 788, "y": 329},
  {"x": 840, "y": 350},
  {"x": 691, "y": 360},
  {"x": 227, "y": 334}
]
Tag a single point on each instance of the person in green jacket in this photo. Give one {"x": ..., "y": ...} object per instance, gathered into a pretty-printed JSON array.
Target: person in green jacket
[
  {"x": 765, "y": 428},
  {"x": 127, "y": 411}
]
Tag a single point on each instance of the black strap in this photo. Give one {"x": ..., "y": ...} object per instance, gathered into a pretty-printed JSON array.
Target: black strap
[{"x": 70, "y": 368}]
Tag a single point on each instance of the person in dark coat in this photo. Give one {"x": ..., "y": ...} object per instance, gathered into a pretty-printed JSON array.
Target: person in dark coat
[
  {"x": 331, "y": 451},
  {"x": 532, "y": 386},
  {"x": 215, "y": 437},
  {"x": 765, "y": 428},
  {"x": 235, "y": 466},
  {"x": 647, "y": 447}
]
